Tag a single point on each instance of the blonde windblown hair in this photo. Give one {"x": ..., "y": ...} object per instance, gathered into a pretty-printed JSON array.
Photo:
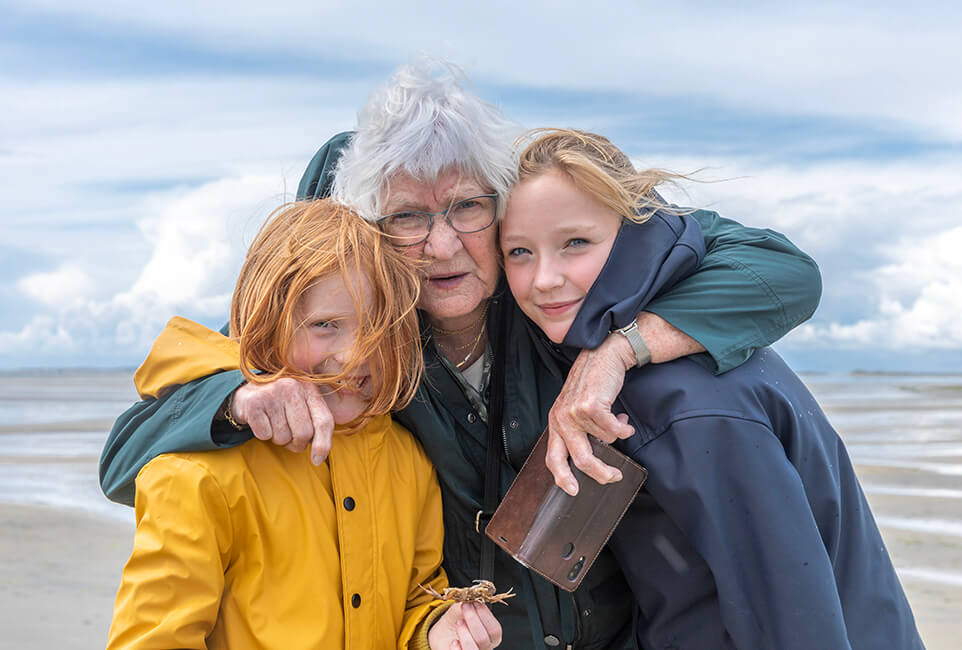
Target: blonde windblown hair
[{"x": 597, "y": 167}]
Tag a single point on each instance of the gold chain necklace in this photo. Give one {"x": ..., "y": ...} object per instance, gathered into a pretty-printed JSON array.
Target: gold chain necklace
[
  {"x": 464, "y": 329},
  {"x": 474, "y": 346}
]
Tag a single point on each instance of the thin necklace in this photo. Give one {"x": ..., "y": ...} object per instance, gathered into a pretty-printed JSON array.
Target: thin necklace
[
  {"x": 464, "y": 329},
  {"x": 474, "y": 346}
]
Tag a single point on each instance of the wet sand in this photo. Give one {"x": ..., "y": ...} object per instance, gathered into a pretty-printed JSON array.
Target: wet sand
[{"x": 59, "y": 571}]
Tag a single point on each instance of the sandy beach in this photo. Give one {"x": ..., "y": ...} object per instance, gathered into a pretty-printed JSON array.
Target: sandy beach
[
  {"x": 58, "y": 576},
  {"x": 63, "y": 546}
]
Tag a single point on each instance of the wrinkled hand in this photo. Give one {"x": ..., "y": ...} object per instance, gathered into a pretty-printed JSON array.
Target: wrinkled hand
[
  {"x": 287, "y": 412},
  {"x": 584, "y": 407},
  {"x": 465, "y": 626}
]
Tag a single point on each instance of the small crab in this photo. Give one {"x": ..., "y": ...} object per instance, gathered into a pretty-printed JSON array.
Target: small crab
[{"x": 483, "y": 591}]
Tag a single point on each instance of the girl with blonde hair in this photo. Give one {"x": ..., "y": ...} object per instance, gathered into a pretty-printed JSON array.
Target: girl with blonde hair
[{"x": 752, "y": 530}]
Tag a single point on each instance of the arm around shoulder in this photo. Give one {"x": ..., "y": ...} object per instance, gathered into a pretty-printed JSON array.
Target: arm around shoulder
[
  {"x": 752, "y": 288},
  {"x": 183, "y": 384},
  {"x": 181, "y": 420}
]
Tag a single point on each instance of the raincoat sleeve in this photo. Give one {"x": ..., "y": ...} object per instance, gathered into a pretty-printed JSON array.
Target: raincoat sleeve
[
  {"x": 185, "y": 379},
  {"x": 422, "y": 609},
  {"x": 752, "y": 287},
  {"x": 727, "y": 484},
  {"x": 172, "y": 584}
]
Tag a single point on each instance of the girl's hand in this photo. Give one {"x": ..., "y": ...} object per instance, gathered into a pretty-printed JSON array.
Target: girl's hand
[{"x": 465, "y": 626}]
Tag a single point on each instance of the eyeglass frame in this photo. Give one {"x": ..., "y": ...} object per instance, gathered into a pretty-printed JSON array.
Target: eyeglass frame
[{"x": 444, "y": 213}]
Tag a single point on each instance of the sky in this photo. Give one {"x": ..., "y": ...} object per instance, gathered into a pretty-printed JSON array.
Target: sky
[{"x": 142, "y": 146}]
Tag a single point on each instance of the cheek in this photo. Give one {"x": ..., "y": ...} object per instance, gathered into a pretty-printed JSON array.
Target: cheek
[
  {"x": 587, "y": 270},
  {"x": 411, "y": 252},
  {"x": 483, "y": 249},
  {"x": 297, "y": 352},
  {"x": 518, "y": 280},
  {"x": 306, "y": 353}
]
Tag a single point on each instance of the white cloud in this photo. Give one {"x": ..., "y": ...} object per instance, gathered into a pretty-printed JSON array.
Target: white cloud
[
  {"x": 886, "y": 235},
  {"x": 919, "y": 299},
  {"x": 61, "y": 287},
  {"x": 197, "y": 240}
]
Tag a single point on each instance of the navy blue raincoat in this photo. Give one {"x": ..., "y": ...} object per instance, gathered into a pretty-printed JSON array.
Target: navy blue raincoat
[{"x": 752, "y": 530}]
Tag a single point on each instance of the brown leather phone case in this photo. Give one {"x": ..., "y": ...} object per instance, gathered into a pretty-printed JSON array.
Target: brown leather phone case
[{"x": 557, "y": 535}]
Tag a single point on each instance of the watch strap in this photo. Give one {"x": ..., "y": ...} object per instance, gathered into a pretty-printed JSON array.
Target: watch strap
[{"x": 630, "y": 332}]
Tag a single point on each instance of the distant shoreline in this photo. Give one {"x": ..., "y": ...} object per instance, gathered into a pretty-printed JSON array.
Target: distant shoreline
[{"x": 66, "y": 371}]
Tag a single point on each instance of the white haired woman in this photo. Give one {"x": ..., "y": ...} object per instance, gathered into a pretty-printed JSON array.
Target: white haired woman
[{"x": 431, "y": 164}]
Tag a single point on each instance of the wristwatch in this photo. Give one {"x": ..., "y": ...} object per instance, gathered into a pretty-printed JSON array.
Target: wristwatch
[{"x": 630, "y": 332}]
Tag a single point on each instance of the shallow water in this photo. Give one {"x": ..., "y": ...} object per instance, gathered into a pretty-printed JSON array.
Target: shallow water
[{"x": 53, "y": 428}]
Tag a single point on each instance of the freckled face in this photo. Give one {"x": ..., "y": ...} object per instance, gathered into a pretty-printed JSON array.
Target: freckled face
[
  {"x": 325, "y": 340},
  {"x": 555, "y": 239},
  {"x": 462, "y": 269}
]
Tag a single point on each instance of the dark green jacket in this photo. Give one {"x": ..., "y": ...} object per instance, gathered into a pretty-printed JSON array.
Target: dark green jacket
[{"x": 753, "y": 286}]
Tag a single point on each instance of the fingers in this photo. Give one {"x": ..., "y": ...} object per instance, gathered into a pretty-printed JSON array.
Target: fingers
[
  {"x": 298, "y": 418},
  {"x": 287, "y": 412},
  {"x": 595, "y": 418},
  {"x": 472, "y": 621},
  {"x": 246, "y": 408},
  {"x": 322, "y": 424},
  {"x": 582, "y": 456},
  {"x": 466, "y": 626},
  {"x": 473, "y": 633},
  {"x": 587, "y": 462},
  {"x": 492, "y": 628},
  {"x": 556, "y": 458},
  {"x": 260, "y": 425},
  {"x": 584, "y": 405}
]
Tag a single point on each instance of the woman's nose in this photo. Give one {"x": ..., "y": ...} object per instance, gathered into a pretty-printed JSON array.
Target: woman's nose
[{"x": 443, "y": 240}]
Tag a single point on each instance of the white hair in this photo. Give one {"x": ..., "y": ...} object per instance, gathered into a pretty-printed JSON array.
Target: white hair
[{"x": 422, "y": 123}]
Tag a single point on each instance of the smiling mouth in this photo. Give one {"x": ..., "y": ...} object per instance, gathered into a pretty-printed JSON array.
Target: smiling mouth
[
  {"x": 352, "y": 384},
  {"x": 558, "y": 308}
]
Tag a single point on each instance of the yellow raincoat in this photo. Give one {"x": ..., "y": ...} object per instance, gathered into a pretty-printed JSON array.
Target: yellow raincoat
[{"x": 255, "y": 547}]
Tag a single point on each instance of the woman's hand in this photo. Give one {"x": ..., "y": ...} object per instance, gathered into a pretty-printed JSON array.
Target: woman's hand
[
  {"x": 584, "y": 406},
  {"x": 465, "y": 626},
  {"x": 287, "y": 412}
]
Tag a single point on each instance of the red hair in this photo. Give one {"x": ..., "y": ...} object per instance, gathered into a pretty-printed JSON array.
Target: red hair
[{"x": 304, "y": 241}]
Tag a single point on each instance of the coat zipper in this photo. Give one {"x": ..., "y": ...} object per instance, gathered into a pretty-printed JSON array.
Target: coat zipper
[{"x": 504, "y": 441}]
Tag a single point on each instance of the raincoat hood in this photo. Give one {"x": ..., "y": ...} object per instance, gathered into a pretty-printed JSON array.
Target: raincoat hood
[{"x": 645, "y": 260}]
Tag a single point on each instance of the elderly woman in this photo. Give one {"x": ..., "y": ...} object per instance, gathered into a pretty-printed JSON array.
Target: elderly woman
[{"x": 432, "y": 165}]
